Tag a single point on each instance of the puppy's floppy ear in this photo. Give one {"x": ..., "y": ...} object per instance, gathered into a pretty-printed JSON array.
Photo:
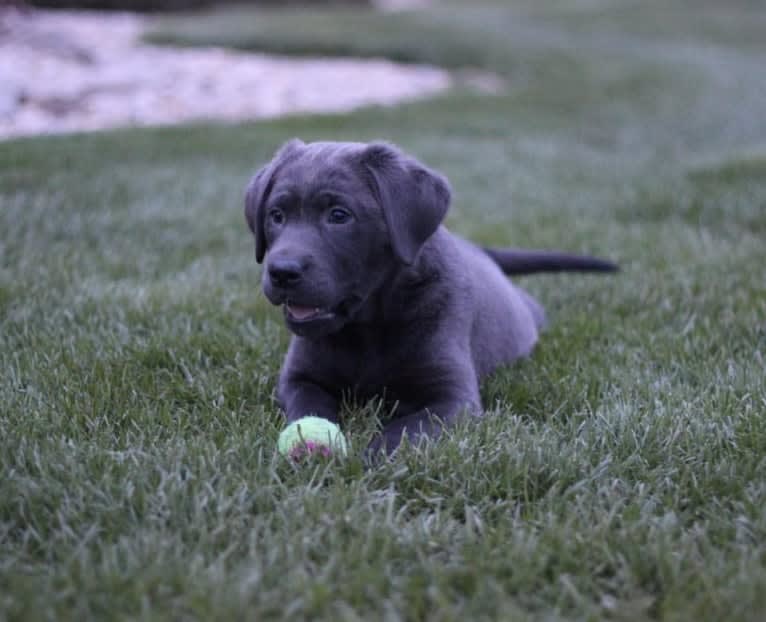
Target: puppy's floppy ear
[
  {"x": 414, "y": 199},
  {"x": 258, "y": 191}
]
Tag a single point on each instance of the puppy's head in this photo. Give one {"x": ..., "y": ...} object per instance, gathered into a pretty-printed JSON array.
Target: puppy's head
[{"x": 333, "y": 220}]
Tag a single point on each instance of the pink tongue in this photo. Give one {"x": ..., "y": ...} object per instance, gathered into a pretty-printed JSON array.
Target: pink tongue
[{"x": 301, "y": 313}]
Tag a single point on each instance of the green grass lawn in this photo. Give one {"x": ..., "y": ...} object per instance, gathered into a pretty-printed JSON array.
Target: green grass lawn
[{"x": 620, "y": 473}]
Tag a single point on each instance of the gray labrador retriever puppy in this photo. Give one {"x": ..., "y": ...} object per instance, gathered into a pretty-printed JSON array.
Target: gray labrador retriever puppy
[{"x": 382, "y": 299}]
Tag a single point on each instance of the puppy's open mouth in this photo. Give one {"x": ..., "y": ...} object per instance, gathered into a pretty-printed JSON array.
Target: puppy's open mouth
[{"x": 298, "y": 313}]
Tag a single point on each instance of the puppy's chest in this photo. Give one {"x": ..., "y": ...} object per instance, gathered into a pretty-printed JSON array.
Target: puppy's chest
[{"x": 371, "y": 367}]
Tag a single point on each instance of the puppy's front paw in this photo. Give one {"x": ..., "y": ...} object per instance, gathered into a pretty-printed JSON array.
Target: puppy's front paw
[
  {"x": 386, "y": 442},
  {"x": 375, "y": 448}
]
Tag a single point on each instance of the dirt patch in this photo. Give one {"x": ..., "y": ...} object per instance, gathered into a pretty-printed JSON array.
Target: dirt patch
[{"x": 63, "y": 71}]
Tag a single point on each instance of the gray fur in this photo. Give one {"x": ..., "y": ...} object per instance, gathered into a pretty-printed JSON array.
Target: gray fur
[{"x": 407, "y": 310}]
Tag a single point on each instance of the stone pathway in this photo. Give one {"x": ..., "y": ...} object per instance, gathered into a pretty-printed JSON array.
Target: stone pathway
[{"x": 63, "y": 71}]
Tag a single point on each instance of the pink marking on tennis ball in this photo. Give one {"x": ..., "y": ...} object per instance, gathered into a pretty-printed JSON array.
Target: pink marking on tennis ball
[{"x": 309, "y": 448}]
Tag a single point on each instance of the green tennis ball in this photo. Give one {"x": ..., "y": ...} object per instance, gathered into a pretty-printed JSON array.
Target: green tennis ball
[{"x": 311, "y": 435}]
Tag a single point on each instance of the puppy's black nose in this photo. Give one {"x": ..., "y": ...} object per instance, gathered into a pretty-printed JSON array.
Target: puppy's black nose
[{"x": 285, "y": 272}]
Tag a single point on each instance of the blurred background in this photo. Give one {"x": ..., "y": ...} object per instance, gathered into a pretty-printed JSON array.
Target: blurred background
[{"x": 172, "y": 5}]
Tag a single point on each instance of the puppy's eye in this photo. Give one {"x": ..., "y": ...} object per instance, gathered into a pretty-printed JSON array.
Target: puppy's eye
[
  {"x": 276, "y": 216},
  {"x": 338, "y": 216}
]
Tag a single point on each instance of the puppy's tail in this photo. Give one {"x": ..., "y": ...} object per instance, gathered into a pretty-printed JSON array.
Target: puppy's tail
[{"x": 518, "y": 261}]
